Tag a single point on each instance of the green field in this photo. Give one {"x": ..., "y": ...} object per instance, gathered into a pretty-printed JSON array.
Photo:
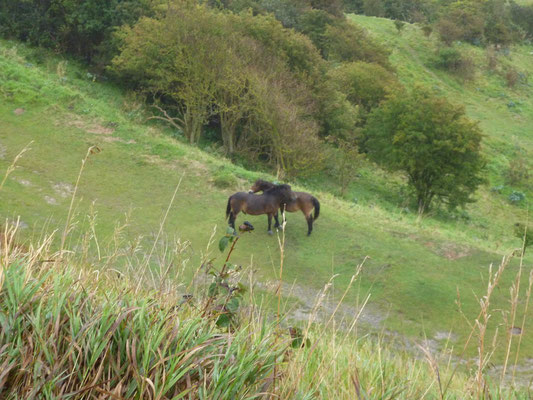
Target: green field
[{"x": 415, "y": 269}]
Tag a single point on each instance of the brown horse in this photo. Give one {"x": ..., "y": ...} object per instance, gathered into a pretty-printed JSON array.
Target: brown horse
[
  {"x": 267, "y": 203},
  {"x": 301, "y": 201}
]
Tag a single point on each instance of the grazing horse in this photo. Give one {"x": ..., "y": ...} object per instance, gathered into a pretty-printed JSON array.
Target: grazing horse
[
  {"x": 267, "y": 203},
  {"x": 301, "y": 201}
]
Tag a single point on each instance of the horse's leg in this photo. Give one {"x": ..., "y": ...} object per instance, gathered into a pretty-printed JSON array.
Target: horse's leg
[
  {"x": 276, "y": 225},
  {"x": 233, "y": 216},
  {"x": 270, "y": 224},
  {"x": 309, "y": 219},
  {"x": 232, "y": 220}
]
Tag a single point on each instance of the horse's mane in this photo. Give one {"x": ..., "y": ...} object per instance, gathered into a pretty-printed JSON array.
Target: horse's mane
[
  {"x": 265, "y": 184},
  {"x": 283, "y": 192},
  {"x": 269, "y": 188},
  {"x": 278, "y": 188}
]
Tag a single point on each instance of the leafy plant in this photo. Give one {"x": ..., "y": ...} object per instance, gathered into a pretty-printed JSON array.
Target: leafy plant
[
  {"x": 224, "y": 296},
  {"x": 516, "y": 197}
]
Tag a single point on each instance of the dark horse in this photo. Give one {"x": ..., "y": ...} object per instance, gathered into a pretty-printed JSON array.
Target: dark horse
[
  {"x": 267, "y": 203},
  {"x": 300, "y": 201}
]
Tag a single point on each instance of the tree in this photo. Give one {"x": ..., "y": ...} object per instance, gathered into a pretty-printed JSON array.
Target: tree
[
  {"x": 180, "y": 59},
  {"x": 432, "y": 142}
]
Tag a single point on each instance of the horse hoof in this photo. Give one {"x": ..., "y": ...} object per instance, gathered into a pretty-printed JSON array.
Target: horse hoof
[{"x": 270, "y": 233}]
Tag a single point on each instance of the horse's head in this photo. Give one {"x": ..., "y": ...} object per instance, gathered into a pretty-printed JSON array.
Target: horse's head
[{"x": 260, "y": 186}]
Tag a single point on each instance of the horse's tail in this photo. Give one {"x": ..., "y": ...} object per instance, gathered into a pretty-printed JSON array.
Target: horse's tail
[
  {"x": 316, "y": 204},
  {"x": 228, "y": 208}
]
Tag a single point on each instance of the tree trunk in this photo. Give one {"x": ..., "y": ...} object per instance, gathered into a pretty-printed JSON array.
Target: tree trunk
[{"x": 227, "y": 128}]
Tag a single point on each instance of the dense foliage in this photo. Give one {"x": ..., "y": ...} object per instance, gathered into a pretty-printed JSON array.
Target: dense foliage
[
  {"x": 82, "y": 28},
  {"x": 266, "y": 87},
  {"x": 253, "y": 77}
]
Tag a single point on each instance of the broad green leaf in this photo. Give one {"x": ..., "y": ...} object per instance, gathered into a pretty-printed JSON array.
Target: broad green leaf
[{"x": 223, "y": 243}]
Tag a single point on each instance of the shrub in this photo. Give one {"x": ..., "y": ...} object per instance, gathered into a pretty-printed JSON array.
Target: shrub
[
  {"x": 345, "y": 162},
  {"x": 512, "y": 77},
  {"x": 224, "y": 179},
  {"x": 452, "y": 60},
  {"x": 314, "y": 24},
  {"x": 287, "y": 12},
  {"x": 399, "y": 25},
  {"x": 519, "y": 170},
  {"x": 516, "y": 197},
  {"x": 428, "y": 30},
  {"x": 449, "y": 59}
]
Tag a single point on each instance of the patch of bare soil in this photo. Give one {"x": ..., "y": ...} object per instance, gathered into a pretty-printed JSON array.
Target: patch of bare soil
[
  {"x": 24, "y": 182},
  {"x": 19, "y": 111},
  {"x": 193, "y": 167},
  {"x": 96, "y": 128},
  {"x": 308, "y": 309},
  {"x": 50, "y": 200},
  {"x": 63, "y": 189},
  {"x": 449, "y": 250}
]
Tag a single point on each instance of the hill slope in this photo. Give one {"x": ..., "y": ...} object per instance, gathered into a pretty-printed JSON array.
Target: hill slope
[{"x": 414, "y": 269}]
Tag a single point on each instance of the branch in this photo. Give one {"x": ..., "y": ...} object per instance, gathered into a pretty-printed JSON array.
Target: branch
[{"x": 167, "y": 118}]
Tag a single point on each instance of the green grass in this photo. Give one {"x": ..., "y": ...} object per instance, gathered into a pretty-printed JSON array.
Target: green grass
[{"x": 414, "y": 271}]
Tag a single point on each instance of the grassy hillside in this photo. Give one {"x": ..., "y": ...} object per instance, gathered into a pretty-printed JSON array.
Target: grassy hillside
[{"x": 414, "y": 270}]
